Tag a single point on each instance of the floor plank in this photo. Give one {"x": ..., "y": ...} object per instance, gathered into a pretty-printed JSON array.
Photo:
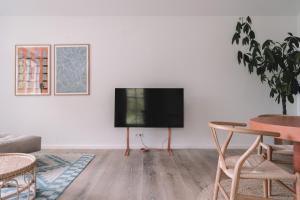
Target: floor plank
[{"x": 196, "y": 173}]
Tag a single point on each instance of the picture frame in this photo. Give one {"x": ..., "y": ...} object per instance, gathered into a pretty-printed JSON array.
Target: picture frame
[
  {"x": 32, "y": 70},
  {"x": 72, "y": 69}
]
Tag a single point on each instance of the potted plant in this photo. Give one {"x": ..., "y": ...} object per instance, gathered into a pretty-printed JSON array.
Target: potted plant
[{"x": 276, "y": 63}]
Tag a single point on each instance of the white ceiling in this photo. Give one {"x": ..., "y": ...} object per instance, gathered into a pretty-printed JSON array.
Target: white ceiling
[{"x": 149, "y": 7}]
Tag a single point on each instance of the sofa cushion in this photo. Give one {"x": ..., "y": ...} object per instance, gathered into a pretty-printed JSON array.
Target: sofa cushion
[{"x": 11, "y": 143}]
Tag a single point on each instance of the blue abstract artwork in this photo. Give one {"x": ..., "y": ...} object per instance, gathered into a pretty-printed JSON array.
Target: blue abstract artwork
[{"x": 71, "y": 69}]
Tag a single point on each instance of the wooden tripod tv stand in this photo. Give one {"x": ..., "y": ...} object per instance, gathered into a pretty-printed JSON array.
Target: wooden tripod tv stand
[{"x": 168, "y": 148}]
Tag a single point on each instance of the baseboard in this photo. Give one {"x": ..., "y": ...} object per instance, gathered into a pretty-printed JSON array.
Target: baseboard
[{"x": 135, "y": 147}]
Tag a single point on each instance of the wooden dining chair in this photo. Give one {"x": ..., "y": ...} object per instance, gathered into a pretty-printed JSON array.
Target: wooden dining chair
[{"x": 246, "y": 166}]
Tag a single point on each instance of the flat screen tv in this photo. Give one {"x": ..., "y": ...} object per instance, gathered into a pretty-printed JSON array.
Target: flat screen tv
[{"x": 149, "y": 107}]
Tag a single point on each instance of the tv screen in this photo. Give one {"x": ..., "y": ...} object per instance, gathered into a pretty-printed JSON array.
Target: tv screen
[{"x": 149, "y": 107}]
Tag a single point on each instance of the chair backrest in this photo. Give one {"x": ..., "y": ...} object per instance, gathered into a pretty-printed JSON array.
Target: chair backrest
[{"x": 232, "y": 128}]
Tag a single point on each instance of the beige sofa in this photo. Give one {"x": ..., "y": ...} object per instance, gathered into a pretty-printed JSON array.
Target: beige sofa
[{"x": 10, "y": 143}]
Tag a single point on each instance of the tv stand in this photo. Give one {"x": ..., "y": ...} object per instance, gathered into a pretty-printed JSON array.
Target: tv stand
[{"x": 168, "y": 148}]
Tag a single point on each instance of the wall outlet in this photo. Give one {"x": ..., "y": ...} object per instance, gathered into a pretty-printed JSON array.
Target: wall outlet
[{"x": 139, "y": 135}]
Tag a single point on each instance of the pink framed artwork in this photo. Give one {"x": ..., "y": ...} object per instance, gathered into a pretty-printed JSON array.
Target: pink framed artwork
[{"x": 32, "y": 70}]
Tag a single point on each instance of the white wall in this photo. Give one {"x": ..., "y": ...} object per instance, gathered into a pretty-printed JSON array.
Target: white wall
[
  {"x": 149, "y": 8},
  {"x": 190, "y": 52}
]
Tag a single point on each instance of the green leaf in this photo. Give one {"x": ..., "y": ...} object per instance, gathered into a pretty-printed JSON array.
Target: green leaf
[
  {"x": 246, "y": 28},
  {"x": 263, "y": 78},
  {"x": 283, "y": 45},
  {"x": 259, "y": 52},
  {"x": 294, "y": 85},
  {"x": 269, "y": 56},
  {"x": 287, "y": 39},
  {"x": 295, "y": 42},
  {"x": 249, "y": 20},
  {"x": 236, "y": 38},
  {"x": 267, "y": 43},
  {"x": 252, "y": 35},
  {"x": 238, "y": 27},
  {"x": 246, "y": 59},
  {"x": 289, "y": 33},
  {"x": 245, "y": 41},
  {"x": 240, "y": 56},
  {"x": 278, "y": 99},
  {"x": 297, "y": 57},
  {"x": 260, "y": 59},
  {"x": 291, "y": 98},
  {"x": 253, "y": 44},
  {"x": 250, "y": 68},
  {"x": 272, "y": 92},
  {"x": 260, "y": 70}
]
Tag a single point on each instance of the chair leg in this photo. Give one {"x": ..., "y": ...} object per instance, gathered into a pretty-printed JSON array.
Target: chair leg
[
  {"x": 269, "y": 182},
  {"x": 217, "y": 181},
  {"x": 269, "y": 187},
  {"x": 269, "y": 154},
  {"x": 265, "y": 186},
  {"x": 259, "y": 150},
  {"x": 298, "y": 186},
  {"x": 234, "y": 188}
]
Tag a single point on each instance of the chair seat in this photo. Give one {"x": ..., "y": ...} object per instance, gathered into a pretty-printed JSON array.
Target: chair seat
[
  {"x": 256, "y": 167},
  {"x": 282, "y": 149}
]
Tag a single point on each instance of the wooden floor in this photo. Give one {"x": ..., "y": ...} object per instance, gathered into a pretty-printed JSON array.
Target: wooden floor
[{"x": 144, "y": 176}]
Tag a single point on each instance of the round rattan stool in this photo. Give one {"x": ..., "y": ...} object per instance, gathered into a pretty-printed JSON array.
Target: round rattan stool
[{"x": 17, "y": 175}]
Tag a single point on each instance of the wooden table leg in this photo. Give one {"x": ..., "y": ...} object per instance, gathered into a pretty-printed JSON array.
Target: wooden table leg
[
  {"x": 169, "y": 142},
  {"x": 296, "y": 156},
  {"x": 127, "y": 142},
  {"x": 296, "y": 162}
]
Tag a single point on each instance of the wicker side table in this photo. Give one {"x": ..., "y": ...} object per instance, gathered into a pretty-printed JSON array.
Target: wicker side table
[{"x": 17, "y": 172}]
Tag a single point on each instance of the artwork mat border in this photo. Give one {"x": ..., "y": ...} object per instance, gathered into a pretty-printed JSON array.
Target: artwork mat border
[
  {"x": 17, "y": 46},
  {"x": 87, "y": 67}
]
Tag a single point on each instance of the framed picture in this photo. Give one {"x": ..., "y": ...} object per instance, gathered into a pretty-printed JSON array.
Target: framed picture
[
  {"x": 32, "y": 70},
  {"x": 71, "y": 69}
]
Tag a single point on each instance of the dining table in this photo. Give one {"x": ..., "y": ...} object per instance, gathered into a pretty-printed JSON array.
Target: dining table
[{"x": 287, "y": 126}]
